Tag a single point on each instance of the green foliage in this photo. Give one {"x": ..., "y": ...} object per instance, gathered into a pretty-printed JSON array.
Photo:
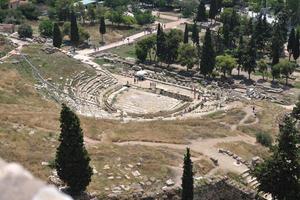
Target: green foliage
[
  {"x": 29, "y": 11},
  {"x": 145, "y": 47},
  {"x": 46, "y": 28},
  {"x": 262, "y": 67},
  {"x": 187, "y": 184},
  {"x": 195, "y": 34},
  {"x": 286, "y": 68},
  {"x": 296, "y": 111},
  {"x": 279, "y": 174},
  {"x": 296, "y": 46},
  {"x": 57, "y": 37},
  {"x": 225, "y": 63},
  {"x": 143, "y": 18},
  {"x": 213, "y": 11},
  {"x": 187, "y": 55},
  {"x": 66, "y": 30},
  {"x": 25, "y": 31},
  {"x": 188, "y": 7},
  {"x": 250, "y": 59},
  {"x": 186, "y": 34},
  {"x": 72, "y": 159},
  {"x": 264, "y": 139}
]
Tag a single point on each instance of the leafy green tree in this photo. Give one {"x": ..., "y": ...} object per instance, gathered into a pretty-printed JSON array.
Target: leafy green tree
[
  {"x": 262, "y": 67},
  {"x": 46, "y": 28},
  {"x": 74, "y": 33},
  {"x": 91, "y": 13},
  {"x": 201, "y": 12},
  {"x": 275, "y": 70},
  {"x": 102, "y": 28},
  {"x": 25, "y": 31},
  {"x": 208, "y": 57},
  {"x": 72, "y": 159},
  {"x": 187, "y": 55},
  {"x": 187, "y": 184},
  {"x": 250, "y": 59},
  {"x": 286, "y": 68},
  {"x": 296, "y": 46},
  {"x": 128, "y": 20},
  {"x": 279, "y": 174},
  {"x": 186, "y": 34},
  {"x": 225, "y": 63},
  {"x": 57, "y": 37},
  {"x": 29, "y": 10},
  {"x": 145, "y": 47},
  {"x": 173, "y": 40},
  {"x": 195, "y": 34},
  {"x": 143, "y": 18}
]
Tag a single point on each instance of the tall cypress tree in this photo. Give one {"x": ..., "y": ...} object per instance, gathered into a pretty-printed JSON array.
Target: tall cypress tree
[
  {"x": 258, "y": 33},
  {"x": 201, "y": 12},
  {"x": 102, "y": 28},
  {"x": 296, "y": 46},
  {"x": 241, "y": 53},
  {"x": 250, "y": 60},
  {"x": 213, "y": 11},
  {"x": 208, "y": 57},
  {"x": 291, "y": 42},
  {"x": 160, "y": 43},
  {"x": 57, "y": 38},
  {"x": 187, "y": 178},
  {"x": 195, "y": 34},
  {"x": 74, "y": 29},
  {"x": 72, "y": 159},
  {"x": 186, "y": 34},
  {"x": 276, "y": 46}
]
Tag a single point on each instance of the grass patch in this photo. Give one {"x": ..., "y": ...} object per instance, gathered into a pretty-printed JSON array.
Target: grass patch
[{"x": 125, "y": 51}]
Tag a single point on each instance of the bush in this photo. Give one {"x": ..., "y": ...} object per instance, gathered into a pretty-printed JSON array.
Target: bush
[
  {"x": 46, "y": 28},
  {"x": 264, "y": 139},
  {"x": 29, "y": 11},
  {"x": 25, "y": 31}
]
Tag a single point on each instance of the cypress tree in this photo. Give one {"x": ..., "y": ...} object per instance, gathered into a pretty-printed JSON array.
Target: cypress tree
[
  {"x": 72, "y": 159},
  {"x": 187, "y": 178},
  {"x": 213, "y": 11},
  {"x": 57, "y": 38},
  {"x": 250, "y": 60},
  {"x": 259, "y": 33},
  {"x": 160, "y": 42},
  {"x": 186, "y": 34},
  {"x": 276, "y": 46},
  {"x": 240, "y": 53},
  {"x": 201, "y": 12},
  {"x": 291, "y": 42},
  {"x": 74, "y": 29},
  {"x": 208, "y": 57},
  {"x": 296, "y": 48},
  {"x": 102, "y": 28},
  {"x": 195, "y": 34}
]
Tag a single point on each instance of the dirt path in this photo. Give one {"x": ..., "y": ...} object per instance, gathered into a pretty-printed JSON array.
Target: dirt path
[{"x": 249, "y": 113}]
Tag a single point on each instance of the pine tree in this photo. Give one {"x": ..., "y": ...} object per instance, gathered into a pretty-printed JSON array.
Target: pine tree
[
  {"x": 208, "y": 57},
  {"x": 250, "y": 59},
  {"x": 291, "y": 42},
  {"x": 74, "y": 29},
  {"x": 258, "y": 33},
  {"x": 279, "y": 174},
  {"x": 72, "y": 159},
  {"x": 213, "y": 11},
  {"x": 186, "y": 34},
  {"x": 57, "y": 38},
  {"x": 195, "y": 34},
  {"x": 102, "y": 28},
  {"x": 187, "y": 178},
  {"x": 201, "y": 12},
  {"x": 296, "y": 46},
  {"x": 276, "y": 46}
]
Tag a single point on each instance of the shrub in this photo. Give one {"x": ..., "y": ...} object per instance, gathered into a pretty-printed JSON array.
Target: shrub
[
  {"x": 25, "y": 31},
  {"x": 264, "y": 138},
  {"x": 46, "y": 28}
]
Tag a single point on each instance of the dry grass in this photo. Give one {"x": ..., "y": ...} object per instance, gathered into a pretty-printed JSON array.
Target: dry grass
[
  {"x": 5, "y": 47},
  {"x": 269, "y": 116},
  {"x": 245, "y": 150}
]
